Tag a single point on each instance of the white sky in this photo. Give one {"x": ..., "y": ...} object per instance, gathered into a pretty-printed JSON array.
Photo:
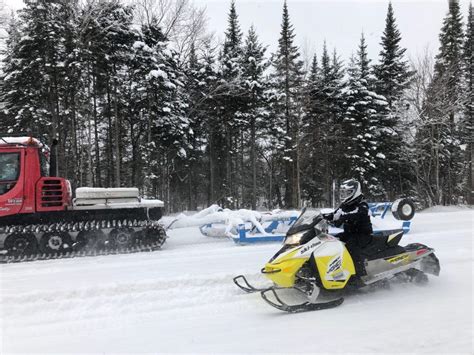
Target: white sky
[{"x": 339, "y": 22}]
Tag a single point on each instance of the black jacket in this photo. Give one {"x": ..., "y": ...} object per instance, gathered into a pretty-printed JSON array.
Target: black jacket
[{"x": 356, "y": 219}]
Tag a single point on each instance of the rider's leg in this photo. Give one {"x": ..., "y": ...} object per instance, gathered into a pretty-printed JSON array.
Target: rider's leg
[{"x": 356, "y": 254}]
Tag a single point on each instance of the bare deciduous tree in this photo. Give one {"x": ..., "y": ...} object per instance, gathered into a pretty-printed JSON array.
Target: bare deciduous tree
[
  {"x": 181, "y": 21},
  {"x": 433, "y": 131}
]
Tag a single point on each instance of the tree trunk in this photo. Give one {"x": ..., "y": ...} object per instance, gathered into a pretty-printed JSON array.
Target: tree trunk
[
  {"x": 212, "y": 179},
  {"x": 98, "y": 181},
  {"x": 253, "y": 159},
  {"x": 117, "y": 138},
  {"x": 110, "y": 163}
]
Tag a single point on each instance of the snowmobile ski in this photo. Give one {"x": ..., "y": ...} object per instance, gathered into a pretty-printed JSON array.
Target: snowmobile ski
[
  {"x": 303, "y": 307},
  {"x": 246, "y": 286}
]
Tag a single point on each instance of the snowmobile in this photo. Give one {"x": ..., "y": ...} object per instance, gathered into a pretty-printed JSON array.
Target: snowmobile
[
  {"x": 40, "y": 219},
  {"x": 319, "y": 268}
]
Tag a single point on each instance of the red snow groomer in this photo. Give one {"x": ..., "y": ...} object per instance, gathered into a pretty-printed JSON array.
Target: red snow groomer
[{"x": 40, "y": 219}]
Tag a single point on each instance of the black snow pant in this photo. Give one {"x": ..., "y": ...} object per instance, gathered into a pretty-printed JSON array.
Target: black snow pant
[{"x": 354, "y": 244}]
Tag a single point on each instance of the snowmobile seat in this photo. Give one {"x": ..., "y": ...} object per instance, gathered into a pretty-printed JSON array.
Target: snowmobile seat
[
  {"x": 385, "y": 253},
  {"x": 390, "y": 238},
  {"x": 384, "y": 245}
]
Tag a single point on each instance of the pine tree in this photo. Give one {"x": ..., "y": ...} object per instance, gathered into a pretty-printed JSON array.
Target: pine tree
[
  {"x": 311, "y": 136},
  {"x": 469, "y": 111},
  {"x": 232, "y": 50},
  {"x": 216, "y": 139},
  {"x": 118, "y": 38},
  {"x": 393, "y": 73},
  {"x": 335, "y": 154},
  {"x": 321, "y": 131},
  {"x": 254, "y": 114},
  {"x": 332, "y": 86},
  {"x": 104, "y": 45},
  {"x": 39, "y": 75},
  {"x": 449, "y": 61},
  {"x": 393, "y": 78},
  {"x": 315, "y": 130},
  {"x": 287, "y": 81},
  {"x": 169, "y": 124},
  {"x": 361, "y": 119},
  {"x": 195, "y": 91},
  {"x": 232, "y": 103}
]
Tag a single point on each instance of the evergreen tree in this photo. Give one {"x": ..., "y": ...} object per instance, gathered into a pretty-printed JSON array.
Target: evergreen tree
[
  {"x": 449, "y": 61},
  {"x": 469, "y": 112},
  {"x": 104, "y": 46},
  {"x": 311, "y": 131},
  {"x": 336, "y": 137},
  {"x": 216, "y": 139},
  {"x": 232, "y": 102},
  {"x": 255, "y": 112},
  {"x": 360, "y": 123},
  {"x": 169, "y": 125},
  {"x": 332, "y": 87},
  {"x": 287, "y": 82},
  {"x": 393, "y": 73},
  {"x": 115, "y": 24},
  {"x": 393, "y": 78},
  {"x": 195, "y": 93},
  {"x": 232, "y": 50},
  {"x": 38, "y": 75},
  {"x": 321, "y": 134},
  {"x": 316, "y": 130}
]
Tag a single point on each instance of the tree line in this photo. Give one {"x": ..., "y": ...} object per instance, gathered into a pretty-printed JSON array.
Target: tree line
[{"x": 140, "y": 95}]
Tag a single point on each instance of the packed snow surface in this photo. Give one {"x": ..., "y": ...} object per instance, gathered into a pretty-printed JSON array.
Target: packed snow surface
[{"x": 182, "y": 299}]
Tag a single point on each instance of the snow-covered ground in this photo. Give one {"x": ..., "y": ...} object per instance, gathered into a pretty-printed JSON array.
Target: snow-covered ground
[{"x": 182, "y": 299}]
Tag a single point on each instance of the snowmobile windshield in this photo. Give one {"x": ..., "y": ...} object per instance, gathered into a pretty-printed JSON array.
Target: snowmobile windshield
[{"x": 307, "y": 220}]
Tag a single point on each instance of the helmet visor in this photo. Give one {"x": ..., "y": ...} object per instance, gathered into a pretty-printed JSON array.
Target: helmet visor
[{"x": 346, "y": 192}]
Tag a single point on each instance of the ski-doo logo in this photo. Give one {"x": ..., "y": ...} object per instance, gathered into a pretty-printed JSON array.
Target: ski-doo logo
[
  {"x": 335, "y": 264},
  {"x": 308, "y": 247}
]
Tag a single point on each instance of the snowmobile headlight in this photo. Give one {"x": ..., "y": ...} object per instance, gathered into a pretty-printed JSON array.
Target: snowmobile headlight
[{"x": 294, "y": 239}]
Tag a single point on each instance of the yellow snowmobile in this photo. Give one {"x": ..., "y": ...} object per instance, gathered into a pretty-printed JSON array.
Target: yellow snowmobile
[{"x": 320, "y": 269}]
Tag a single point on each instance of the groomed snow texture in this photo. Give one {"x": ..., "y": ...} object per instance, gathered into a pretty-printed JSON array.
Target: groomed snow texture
[{"x": 182, "y": 299}]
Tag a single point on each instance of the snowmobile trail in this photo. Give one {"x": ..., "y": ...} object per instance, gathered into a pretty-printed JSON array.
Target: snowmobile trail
[
  {"x": 182, "y": 299},
  {"x": 49, "y": 307}
]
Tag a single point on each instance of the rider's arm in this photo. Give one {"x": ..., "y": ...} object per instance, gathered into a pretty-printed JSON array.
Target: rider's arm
[{"x": 361, "y": 211}]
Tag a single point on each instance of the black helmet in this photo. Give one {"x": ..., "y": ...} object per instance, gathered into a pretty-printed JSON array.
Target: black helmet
[{"x": 350, "y": 192}]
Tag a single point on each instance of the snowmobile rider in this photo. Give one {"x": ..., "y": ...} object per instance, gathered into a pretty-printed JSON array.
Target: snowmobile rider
[{"x": 353, "y": 214}]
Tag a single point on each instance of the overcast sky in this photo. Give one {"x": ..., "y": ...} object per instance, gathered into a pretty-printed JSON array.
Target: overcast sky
[{"x": 339, "y": 22}]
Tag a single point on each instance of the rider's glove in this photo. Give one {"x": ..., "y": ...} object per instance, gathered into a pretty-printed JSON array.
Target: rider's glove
[
  {"x": 337, "y": 215},
  {"x": 328, "y": 216}
]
